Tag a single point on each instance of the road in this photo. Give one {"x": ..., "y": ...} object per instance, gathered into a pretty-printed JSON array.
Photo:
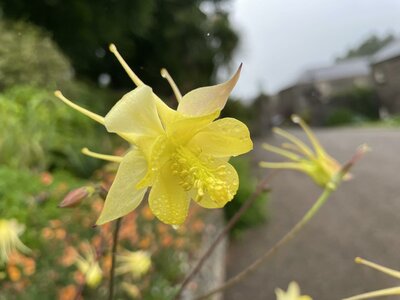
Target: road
[{"x": 362, "y": 219}]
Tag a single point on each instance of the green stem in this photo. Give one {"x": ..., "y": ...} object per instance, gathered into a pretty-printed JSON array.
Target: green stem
[{"x": 286, "y": 238}]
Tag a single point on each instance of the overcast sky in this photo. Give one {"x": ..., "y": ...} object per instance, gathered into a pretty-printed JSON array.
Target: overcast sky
[{"x": 280, "y": 38}]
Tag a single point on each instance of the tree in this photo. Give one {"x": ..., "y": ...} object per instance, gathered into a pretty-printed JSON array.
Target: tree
[
  {"x": 368, "y": 47},
  {"x": 150, "y": 34}
]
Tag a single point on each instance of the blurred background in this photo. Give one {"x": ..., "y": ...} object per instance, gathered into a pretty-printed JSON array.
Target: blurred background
[{"x": 336, "y": 64}]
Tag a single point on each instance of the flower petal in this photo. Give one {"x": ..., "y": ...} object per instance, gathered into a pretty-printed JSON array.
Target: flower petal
[
  {"x": 222, "y": 138},
  {"x": 136, "y": 113},
  {"x": 222, "y": 188},
  {"x": 184, "y": 127},
  {"x": 123, "y": 196},
  {"x": 207, "y": 100},
  {"x": 206, "y": 201},
  {"x": 168, "y": 200}
]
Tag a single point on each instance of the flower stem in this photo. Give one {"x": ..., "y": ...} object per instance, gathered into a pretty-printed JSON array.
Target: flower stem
[
  {"x": 113, "y": 255},
  {"x": 286, "y": 238},
  {"x": 249, "y": 201}
]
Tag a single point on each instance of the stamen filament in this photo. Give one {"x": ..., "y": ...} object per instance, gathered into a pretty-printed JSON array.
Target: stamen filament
[
  {"x": 292, "y": 147},
  {"x": 391, "y": 272},
  {"x": 111, "y": 158},
  {"x": 281, "y": 152},
  {"x": 175, "y": 89},
  {"x": 307, "y": 151},
  {"x": 379, "y": 293},
  {"x": 82, "y": 110},
  {"x": 317, "y": 146},
  {"x": 123, "y": 63}
]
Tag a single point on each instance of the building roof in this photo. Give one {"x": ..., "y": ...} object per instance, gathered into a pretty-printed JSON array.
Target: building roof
[
  {"x": 344, "y": 69},
  {"x": 391, "y": 50}
]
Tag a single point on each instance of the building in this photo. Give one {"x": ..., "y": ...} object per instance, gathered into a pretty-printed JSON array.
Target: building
[
  {"x": 386, "y": 73},
  {"x": 314, "y": 88}
]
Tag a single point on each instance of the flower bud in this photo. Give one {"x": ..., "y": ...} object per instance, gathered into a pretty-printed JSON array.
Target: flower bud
[{"x": 75, "y": 197}]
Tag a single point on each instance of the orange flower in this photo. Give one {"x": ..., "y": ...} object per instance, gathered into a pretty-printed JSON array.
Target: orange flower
[
  {"x": 67, "y": 293},
  {"x": 60, "y": 234},
  {"x": 13, "y": 272},
  {"x": 167, "y": 240},
  {"x": 69, "y": 256},
  {"x": 47, "y": 233},
  {"x": 46, "y": 178}
]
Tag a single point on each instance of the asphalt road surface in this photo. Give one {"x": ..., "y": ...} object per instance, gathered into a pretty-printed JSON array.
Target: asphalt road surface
[{"x": 362, "y": 219}]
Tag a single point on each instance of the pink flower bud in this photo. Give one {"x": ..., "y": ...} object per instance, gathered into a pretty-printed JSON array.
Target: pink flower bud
[{"x": 75, "y": 197}]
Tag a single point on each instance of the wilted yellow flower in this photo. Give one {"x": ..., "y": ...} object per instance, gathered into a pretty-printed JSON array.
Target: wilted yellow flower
[
  {"x": 137, "y": 263},
  {"x": 131, "y": 289},
  {"x": 181, "y": 154},
  {"x": 380, "y": 293},
  {"x": 316, "y": 163},
  {"x": 293, "y": 293},
  {"x": 90, "y": 268},
  {"x": 10, "y": 231}
]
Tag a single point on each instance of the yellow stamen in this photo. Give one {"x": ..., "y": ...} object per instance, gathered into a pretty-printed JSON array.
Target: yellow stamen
[
  {"x": 317, "y": 146},
  {"x": 375, "y": 294},
  {"x": 281, "y": 152},
  {"x": 82, "y": 110},
  {"x": 375, "y": 266},
  {"x": 302, "y": 147},
  {"x": 175, "y": 89},
  {"x": 123, "y": 63},
  {"x": 281, "y": 165},
  {"x": 111, "y": 158}
]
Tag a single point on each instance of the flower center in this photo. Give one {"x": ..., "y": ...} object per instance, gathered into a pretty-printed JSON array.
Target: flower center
[{"x": 202, "y": 174}]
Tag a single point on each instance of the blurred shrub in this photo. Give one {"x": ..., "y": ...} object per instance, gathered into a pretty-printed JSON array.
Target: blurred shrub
[
  {"x": 41, "y": 133},
  {"x": 339, "y": 116},
  {"x": 29, "y": 56},
  {"x": 257, "y": 213},
  {"x": 352, "y": 106}
]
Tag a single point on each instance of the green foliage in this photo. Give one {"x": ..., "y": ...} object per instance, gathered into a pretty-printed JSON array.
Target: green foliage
[
  {"x": 151, "y": 34},
  {"x": 355, "y": 105},
  {"x": 40, "y": 132},
  {"x": 368, "y": 47},
  {"x": 340, "y": 116},
  {"x": 29, "y": 56},
  {"x": 257, "y": 213},
  {"x": 392, "y": 121}
]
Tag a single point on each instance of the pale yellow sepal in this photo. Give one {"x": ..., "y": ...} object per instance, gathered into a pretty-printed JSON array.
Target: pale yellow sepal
[
  {"x": 206, "y": 100},
  {"x": 123, "y": 196},
  {"x": 136, "y": 113}
]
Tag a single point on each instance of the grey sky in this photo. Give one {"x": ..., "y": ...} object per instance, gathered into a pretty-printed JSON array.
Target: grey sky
[{"x": 280, "y": 38}]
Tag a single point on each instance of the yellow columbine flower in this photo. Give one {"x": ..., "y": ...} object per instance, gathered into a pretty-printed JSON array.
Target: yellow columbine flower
[
  {"x": 137, "y": 263},
  {"x": 181, "y": 154},
  {"x": 380, "y": 293},
  {"x": 293, "y": 293},
  {"x": 90, "y": 268},
  {"x": 10, "y": 231},
  {"x": 316, "y": 163}
]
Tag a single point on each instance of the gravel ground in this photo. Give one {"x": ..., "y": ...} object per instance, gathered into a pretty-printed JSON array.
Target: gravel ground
[{"x": 361, "y": 219}]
